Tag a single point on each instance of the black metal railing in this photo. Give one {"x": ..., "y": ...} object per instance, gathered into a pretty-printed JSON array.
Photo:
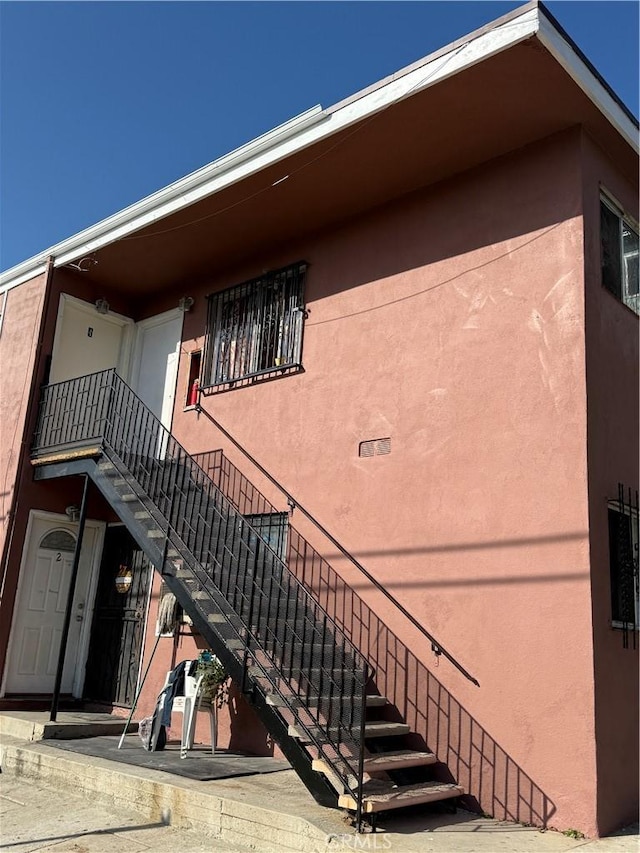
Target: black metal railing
[
  {"x": 293, "y": 641},
  {"x": 624, "y": 517},
  {"x": 437, "y": 647}
]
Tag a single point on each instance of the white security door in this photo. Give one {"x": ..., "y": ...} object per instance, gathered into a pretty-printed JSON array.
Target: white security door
[
  {"x": 40, "y": 608},
  {"x": 156, "y": 363}
]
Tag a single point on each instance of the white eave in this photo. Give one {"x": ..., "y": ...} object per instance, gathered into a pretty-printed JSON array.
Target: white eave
[{"x": 317, "y": 124}]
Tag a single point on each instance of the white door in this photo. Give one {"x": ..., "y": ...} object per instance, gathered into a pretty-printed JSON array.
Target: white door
[
  {"x": 156, "y": 363},
  {"x": 86, "y": 342},
  {"x": 40, "y": 607}
]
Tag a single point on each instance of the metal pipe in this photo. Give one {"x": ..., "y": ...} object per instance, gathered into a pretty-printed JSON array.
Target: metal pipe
[
  {"x": 138, "y": 692},
  {"x": 67, "y": 615},
  {"x": 363, "y": 714}
]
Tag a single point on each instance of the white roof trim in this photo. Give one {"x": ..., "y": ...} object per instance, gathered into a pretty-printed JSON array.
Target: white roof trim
[
  {"x": 315, "y": 124},
  {"x": 566, "y": 56}
]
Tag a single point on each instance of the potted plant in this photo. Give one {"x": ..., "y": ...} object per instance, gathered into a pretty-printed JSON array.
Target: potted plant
[{"x": 214, "y": 688}]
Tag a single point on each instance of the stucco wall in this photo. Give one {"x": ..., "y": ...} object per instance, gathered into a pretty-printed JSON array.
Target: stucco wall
[
  {"x": 452, "y": 322},
  {"x": 24, "y": 350},
  {"x": 18, "y": 342},
  {"x": 612, "y": 388}
]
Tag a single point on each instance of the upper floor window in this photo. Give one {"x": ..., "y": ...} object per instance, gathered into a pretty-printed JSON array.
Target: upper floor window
[
  {"x": 619, "y": 254},
  {"x": 255, "y": 328}
]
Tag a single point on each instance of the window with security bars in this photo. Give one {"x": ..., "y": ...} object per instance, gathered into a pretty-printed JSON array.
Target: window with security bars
[
  {"x": 255, "y": 328},
  {"x": 623, "y": 562},
  {"x": 619, "y": 254}
]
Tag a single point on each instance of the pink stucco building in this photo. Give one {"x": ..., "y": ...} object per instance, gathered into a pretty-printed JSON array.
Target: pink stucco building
[{"x": 397, "y": 341}]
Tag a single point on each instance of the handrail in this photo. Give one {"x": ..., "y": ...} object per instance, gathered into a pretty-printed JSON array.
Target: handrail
[
  {"x": 102, "y": 407},
  {"x": 437, "y": 647}
]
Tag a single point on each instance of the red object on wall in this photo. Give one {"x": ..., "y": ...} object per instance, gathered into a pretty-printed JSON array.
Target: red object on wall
[{"x": 193, "y": 392}]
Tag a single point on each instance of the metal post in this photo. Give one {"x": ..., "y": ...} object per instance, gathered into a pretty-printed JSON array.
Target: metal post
[
  {"x": 67, "y": 616},
  {"x": 138, "y": 692}
]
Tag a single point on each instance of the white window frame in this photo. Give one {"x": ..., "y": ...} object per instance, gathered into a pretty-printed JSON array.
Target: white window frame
[{"x": 632, "y": 301}]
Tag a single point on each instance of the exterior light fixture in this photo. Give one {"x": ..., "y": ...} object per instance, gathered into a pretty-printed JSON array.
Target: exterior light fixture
[
  {"x": 72, "y": 512},
  {"x": 185, "y": 303},
  {"x": 102, "y": 306}
]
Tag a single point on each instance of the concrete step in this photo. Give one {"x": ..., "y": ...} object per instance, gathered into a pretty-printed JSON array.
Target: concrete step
[
  {"x": 371, "y": 730},
  {"x": 381, "y": 728},
  {"x": 270, "y": 812},
  {"x": 383, "y": 797},
  {"x": 277, "y": 701},
  {"x": 35, "y": 725},
  {"x": 384, "y": 761},
  {"x": 398, "y": 759},
  {"x": 376, "y": 701}
]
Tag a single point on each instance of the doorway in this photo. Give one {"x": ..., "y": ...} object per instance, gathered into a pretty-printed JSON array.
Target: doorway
[
  {"x": 155, "y": 363},
  {"x": 86, "y": 341},
  {"x": 119, "y": 618},
  {"x": 40, "y": 606}
]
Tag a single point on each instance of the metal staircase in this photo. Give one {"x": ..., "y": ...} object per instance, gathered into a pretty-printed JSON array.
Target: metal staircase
[{"x": 304, "y": 678}]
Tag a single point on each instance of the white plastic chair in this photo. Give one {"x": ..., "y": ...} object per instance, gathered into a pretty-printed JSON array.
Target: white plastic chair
[{"x": 187, "y": 704}]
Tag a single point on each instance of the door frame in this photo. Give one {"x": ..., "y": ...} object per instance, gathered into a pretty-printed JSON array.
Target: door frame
[
  {"x": 85, "y": 631},
  {"x": 136, "y": 355},
  {"x": 147, "y": 606},
  {"x": 126, "y": 323}
]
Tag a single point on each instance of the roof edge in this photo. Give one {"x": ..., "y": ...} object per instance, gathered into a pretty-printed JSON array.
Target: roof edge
[{"x": 316, "y": 124}]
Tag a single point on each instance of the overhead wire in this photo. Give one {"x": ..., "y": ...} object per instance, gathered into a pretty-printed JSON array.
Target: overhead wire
[{"x": 359, "y": 127}]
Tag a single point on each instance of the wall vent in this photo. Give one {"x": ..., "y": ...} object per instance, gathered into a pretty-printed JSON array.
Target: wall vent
[{"x": 374, "y": 447}]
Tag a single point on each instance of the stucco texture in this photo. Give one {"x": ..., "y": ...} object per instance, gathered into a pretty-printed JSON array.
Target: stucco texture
[
  {"x": 18, "y": 342},
  {"x": 451, "y": 321}
]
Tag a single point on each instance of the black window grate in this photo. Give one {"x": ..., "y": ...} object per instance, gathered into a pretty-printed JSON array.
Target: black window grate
[
  {"x": 623, "y": 516},
  {"x": 255, "y": 328}
]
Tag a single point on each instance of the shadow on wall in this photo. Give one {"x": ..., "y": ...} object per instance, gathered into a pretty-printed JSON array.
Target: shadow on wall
[
  {"x": 467, "y": 753},
  {"x": 245, "y": 736}
]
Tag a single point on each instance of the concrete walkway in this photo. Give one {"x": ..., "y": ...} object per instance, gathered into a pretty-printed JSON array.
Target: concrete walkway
[{"x": 52, "y": 798}]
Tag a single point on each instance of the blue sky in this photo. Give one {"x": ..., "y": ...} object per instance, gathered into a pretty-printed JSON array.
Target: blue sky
[{"x": 104, "y": 103}]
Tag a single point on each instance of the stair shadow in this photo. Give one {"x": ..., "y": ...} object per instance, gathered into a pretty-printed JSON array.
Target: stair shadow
[{"x": 467, "y": 753}]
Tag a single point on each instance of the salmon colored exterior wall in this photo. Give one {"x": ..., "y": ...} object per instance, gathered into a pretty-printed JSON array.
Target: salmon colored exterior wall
[
  {"x": 612, "y": 394},
  {"x": 23, "y": 308},
  {"x": 28, "y": 341},
  {"x": 452, "y": 321}
]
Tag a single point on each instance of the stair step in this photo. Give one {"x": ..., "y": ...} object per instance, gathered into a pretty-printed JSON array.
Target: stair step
[
  {"x": 129, "y": 497},
  {"x": 379, "y": 763},
  {"x": 105, "y": 466},
  {"x": 399, "y": 796},
  {"x": 120, "y": 481},
  {"x": 277, "y": 701},
  {"x": 371, "y": 730},
  {"x": 142, "y": 513},
  {"x": 216, "y": 618},
  {"x": 398, "y": 759},
  {"x": 381, "y": 728},
  {"x": 376, "y": 701},
  {"x": 155, "y": 534}
]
